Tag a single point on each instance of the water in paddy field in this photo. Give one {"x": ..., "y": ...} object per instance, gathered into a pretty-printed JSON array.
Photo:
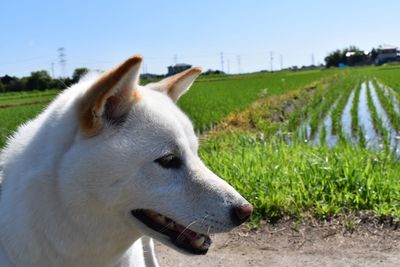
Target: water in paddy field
[
  {"x": 384, "y": 117},
  {"x": 373, "y": 139},
  {"x": 304, "y": 131},
  {"x": 346, "y": 119},
  {"x": 330, "y": 139},
  {"x": 389, "y": 92},
  {"x": 365, "y": 119}
]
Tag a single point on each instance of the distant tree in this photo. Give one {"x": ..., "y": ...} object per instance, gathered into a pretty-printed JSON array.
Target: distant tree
[
  {"x": 57, "y": 84},
  {"x": 17, "y": 85},
  {"x": 373, "y": 55},
  {"x": 351, "y": 56},
  {"x": 210, "y": 71},
  {"x": 334, "y": 59},
  {"x": 2, "y": 88},
  {"x": 39, "y": 80},
  {"x": 5, "y": 80},
  {"x": 78, "y": 73},
  {"x": 67, "y": 82}
]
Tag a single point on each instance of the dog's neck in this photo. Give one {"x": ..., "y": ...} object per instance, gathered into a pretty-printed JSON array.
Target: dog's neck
[
  {"x": 35, "y": 223},
  {"x": 64, "y": 236}
]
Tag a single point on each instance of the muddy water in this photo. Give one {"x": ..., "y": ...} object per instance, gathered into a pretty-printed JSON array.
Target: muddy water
[
  {"x": 346, "y": 119},
  {"x": 365, "y": 119},
  {"x": 394, "y": 142}
]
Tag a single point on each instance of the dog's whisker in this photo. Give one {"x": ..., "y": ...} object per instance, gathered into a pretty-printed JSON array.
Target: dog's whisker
[
  {"x": 166, "y": 227},
  {"x": 205, "y": 217},
  {"x": 186, "y": 229}
]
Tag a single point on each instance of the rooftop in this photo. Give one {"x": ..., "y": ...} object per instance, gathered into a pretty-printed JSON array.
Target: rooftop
[{"x": 386, "y": 47}]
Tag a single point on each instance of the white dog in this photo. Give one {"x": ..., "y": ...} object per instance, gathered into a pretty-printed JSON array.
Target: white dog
[{"x": 106, "y": 166}]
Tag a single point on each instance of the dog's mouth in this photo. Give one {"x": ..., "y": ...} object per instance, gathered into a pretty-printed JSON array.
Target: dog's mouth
[{"x": 181, "y": 236}]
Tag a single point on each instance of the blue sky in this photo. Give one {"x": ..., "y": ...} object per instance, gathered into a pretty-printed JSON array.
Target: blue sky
[{"x": 99, "y": 34}]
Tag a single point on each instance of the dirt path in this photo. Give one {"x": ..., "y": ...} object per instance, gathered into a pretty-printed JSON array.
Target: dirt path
[{"x": 295, "y": 245}]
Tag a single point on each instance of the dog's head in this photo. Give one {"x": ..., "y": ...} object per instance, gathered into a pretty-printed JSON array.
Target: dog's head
[{"x": 136, "y": 158}]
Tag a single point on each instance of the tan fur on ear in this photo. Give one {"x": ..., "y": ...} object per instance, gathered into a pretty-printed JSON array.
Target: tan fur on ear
[
  {"x": 114, "y": 90},
  {"x": 175, "y": 86}
]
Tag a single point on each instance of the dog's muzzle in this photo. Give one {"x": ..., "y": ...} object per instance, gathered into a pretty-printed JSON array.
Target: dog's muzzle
[{"x": 181, "y": 236}]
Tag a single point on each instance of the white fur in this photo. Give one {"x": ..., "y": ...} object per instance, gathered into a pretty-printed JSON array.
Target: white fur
[{"x": 66, "y": 198}]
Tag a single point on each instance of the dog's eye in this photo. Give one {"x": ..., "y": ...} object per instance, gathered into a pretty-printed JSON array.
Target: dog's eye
[{"x": 169, "y": 161}]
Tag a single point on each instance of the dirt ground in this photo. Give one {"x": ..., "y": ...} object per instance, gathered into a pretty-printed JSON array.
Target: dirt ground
[{"x": 291, "y": 244}]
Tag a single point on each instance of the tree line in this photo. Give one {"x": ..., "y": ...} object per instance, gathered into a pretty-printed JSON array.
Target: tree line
[
  {"x": 350, "y": 56},
  {"x": 39, "y": 80}
]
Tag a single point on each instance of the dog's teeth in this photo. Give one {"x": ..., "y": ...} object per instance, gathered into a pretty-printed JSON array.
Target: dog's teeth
[
  {"x": 199, "y": 241},
  {"x": 152, "y": 213},
  {"x": 161, "y": 219}
]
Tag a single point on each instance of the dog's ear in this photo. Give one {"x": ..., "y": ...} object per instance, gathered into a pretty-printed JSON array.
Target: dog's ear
[
  {"x": 110, "y": 97},
  {"x": 175, "y": 86}
]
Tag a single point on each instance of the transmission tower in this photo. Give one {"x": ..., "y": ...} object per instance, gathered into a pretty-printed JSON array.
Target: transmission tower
[
  {"x": 271, "y": 58},
  {"x": 222, "y": 61},
  {"x": 62, "y": 61},
  {"x": 281, "y": 61},
  {"x": 239, "y": 62},
  {"x": 52, "y": 70}
]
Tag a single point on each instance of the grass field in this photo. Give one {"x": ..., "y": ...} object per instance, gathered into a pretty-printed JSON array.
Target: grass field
[
  {"x": 210, "y": 99},
  {"x": 322, "y": 142},
  {"x": 292, "y": 179}
]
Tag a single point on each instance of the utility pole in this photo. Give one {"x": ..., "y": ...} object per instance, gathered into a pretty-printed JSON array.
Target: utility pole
[
  {"x": 239, "y": 62},
  {"x": 222, "y": 61},
  {"x": 312, "y": 59},
  {"x": 281, "y": 61},
  {"x": 62, "y": 61},
  {"x": 271, "y": 58},
  {"x": 227, "y": 66}
]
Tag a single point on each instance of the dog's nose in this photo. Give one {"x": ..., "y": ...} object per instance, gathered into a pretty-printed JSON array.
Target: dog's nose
[{"x": 241, "y": 213}]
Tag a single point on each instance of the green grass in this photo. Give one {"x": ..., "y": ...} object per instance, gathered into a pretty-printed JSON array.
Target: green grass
[
  {"x": 376, "y": 119},
  {"x": 211, "y": 100},
  {"x": 323, "y": 181},
  {"x": 348, "y": 87},
  {"x": 324, "y": 102},
  {"x": 11, "y": 118},
  {"x": 26, "y": 96},
  {"x": 354, "y": 111},
  {"x": 388, "y": 107}
]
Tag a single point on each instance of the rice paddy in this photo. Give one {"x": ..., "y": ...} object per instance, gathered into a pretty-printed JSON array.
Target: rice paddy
[{"x": 357, "y": 110}]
